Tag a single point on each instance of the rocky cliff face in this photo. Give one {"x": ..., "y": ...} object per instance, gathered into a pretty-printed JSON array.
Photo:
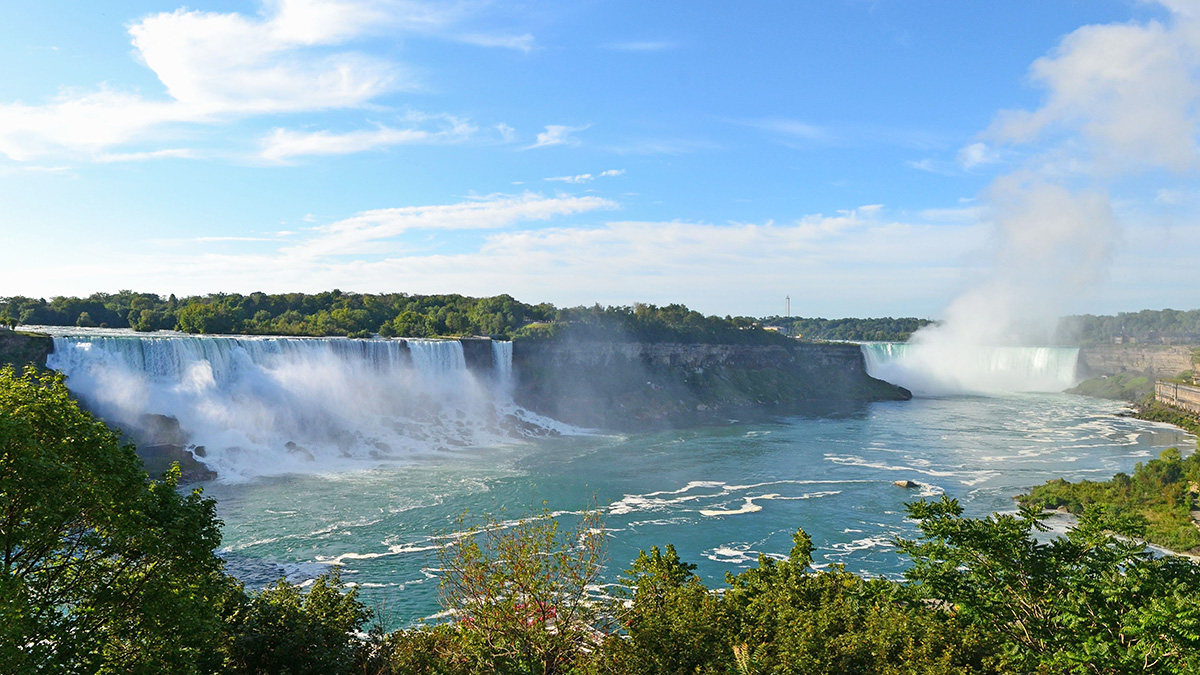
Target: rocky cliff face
[
  {"x": 20, "y": 349},
  {"x": 616, "y": 385},
  {"x": 1157, "y": 361}
]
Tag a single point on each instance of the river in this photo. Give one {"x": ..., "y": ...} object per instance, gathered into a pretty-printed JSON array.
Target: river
[{"x": 335, "y": 452}]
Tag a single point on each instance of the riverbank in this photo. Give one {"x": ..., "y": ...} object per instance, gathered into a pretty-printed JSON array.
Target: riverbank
[{"x": 1158, "y": 502}]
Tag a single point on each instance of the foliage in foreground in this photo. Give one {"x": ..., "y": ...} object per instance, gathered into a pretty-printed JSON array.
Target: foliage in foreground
[
  {"x": 107, "y": 571},
  {"x": 1090, "y": 602},
  {"x": 520, "y": 591},
  {"x": 1155, "y": 502},
  {"x": 103, "y": 570}
]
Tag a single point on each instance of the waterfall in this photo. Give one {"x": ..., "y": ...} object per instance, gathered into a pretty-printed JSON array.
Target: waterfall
[
  {"x": 437, "y": 358},
  {"x": 502, "y": 353},
  {"x": 252, "y": 406},
  {"x": 926, "y": 370}
]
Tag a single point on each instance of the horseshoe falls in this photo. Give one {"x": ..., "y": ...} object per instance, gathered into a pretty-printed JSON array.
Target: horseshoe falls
[
  {"x": 249, "y": 407},
  {"x": 929, "y": 370}
]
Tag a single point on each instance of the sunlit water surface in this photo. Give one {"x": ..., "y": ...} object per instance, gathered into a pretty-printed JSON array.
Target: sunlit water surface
[{"x": 720, "y": 494}]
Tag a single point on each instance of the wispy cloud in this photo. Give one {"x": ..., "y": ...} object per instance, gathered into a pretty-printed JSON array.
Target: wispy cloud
[
  {"x": 557, "y": 134},
  {"x": 587, "y": 177},
  {"x": 372, "y": 231},
  {"x": 581, "y": 178},
  {"x": 170, "y": 153},
  {"x": 930, "y": 165},
  {"x": 618, "y": 262},
  {"x": 282, "y": 145},
  {"x": 211, "y": 240},
  {"x": 793, "y": 129},
  {"x": 523, "y": 43},
  {"x": 661, "y": 146}
]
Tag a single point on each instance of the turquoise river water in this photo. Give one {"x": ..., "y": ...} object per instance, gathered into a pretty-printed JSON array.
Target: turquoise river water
[{"x": 721, "y": 495}]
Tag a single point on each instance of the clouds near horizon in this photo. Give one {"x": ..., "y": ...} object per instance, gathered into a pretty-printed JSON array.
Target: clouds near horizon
[{"x": 742, "y": 155}]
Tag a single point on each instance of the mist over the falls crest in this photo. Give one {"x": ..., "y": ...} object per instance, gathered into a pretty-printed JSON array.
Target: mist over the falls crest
[
  {"x": 248, "y": 407},
  {"x": 1119, "y": 99}
]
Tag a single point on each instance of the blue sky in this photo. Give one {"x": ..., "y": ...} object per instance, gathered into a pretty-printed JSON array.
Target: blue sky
[{"x": 864, "y": 157}]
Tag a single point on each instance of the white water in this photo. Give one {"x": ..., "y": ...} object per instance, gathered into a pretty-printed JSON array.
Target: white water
[
  {"x": 502, "y": 353},
  {"x": 927, "y": 370},
  {"x": 251, "y": 406}
]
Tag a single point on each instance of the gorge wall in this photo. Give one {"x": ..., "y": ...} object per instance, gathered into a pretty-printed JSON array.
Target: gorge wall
[
  {"x": 1156, "y": 361},
  {"x": 19, "y": 349},
  {"x": 245, "y": 406},
  {"x": 630, "y": 386}
]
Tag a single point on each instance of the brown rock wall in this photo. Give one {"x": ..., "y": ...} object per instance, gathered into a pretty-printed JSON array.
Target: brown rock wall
[{"x": 1159, "y": 361}]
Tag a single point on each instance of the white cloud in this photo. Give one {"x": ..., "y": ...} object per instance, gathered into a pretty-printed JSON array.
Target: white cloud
[
  {"x": 229, "y": 63},
  {"x": 1130, "y": 89},
  {"x": 523, "y": 43},
  {"x": 581, "y": 178},
  {"x": 976, "y": 154},
  {"x": 372, "y": 231},
  {"x": 215, "y": 67},
  {"x": 170, "y": 153},
  {"x": 557, "y": 134},
  {"x": 930, "y": 165},
  {"x": 858, "y": 261},
  {"x": 86, "y": 123},
  {"x": 282, "y": 145},
  {"x": 587, "y": 177}
]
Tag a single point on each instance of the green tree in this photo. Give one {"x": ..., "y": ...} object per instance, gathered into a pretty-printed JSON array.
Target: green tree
[
  {"x": 283, "y": 630},
  {"x": 104, "y": 571},
  {"x": 673, "y": 622},
  {"x": 1089, "y": 602},
  {"x": 519, "y": 591},
  {"x": 205, "y": 318}
]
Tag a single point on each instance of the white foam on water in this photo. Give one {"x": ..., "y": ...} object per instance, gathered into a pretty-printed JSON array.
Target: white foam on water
[
  {"x": 966, "y": 476},
  {"x": 748, "y": 506},
  {"x": 846, "y": 547},
  {"x": 738, "y": 553}
]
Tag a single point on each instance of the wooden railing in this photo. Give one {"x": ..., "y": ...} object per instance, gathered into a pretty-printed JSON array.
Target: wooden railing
[{"x": 1182, "y": 396}]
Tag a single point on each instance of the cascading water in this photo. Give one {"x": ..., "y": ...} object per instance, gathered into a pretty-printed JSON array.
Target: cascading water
[
  {"x": 926, "y": 370},
  {"x": 502, "y": 353},
  {"x": 251, "y": 406}
]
